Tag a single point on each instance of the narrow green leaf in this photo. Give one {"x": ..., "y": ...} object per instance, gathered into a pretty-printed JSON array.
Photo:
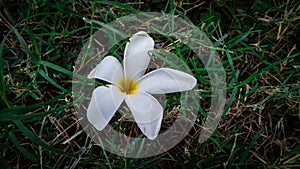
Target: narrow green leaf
[
  {"x": 234, "y": 41},
  {"x": 24, "y": 46},
  {"x": 33, "y": 40},
  {"x": 63, "y": 70},
  {"x": 13, "y": 113},
  {"x": 32, "y": 136},
  {"x": 42, "y": 73},
  {"x": 251, "y": 144},
  {"x": 231, "y": 65},
  {"x": 56, "y": 67},
  {"x": 105, "y": 26},
  {"x": 22, "y": 149},
  {"x": 2, "y": 85},
  {"x": 230, "y": 101},
  {"x": 4, "y": 103},
  {"x": 264, "y": 70}
]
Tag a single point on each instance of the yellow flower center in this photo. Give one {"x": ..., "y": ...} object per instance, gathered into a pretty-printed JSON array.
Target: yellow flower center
[{"x": 128, "y": 86}]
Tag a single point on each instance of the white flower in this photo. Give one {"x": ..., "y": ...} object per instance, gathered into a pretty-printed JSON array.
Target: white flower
[{"x": 129, "y": 83}]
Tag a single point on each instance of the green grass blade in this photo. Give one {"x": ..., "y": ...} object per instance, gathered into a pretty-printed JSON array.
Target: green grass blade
[
  {"x": 4, "y": 103},
  {"x": 9, "y": 114},
  {"x": 27, "y": 154},
  {"x": 230, "y": 101},
  {"x": 42, "y": 73},
  {"x": 33, "y": 137},
  {"x": 63, "y": 70},
  {"x": 56, "y": 67},
  {"x": 251, "y": 144}
]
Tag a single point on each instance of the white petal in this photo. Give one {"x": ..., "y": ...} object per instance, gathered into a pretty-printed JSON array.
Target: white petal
[
  {"x": 104, "y": 103},
  {"x": 151, "y": 129},
  {"x": 166, "y": 80},
  {"x": 136, "y": 65},
  {"x": 147, "y": 113},
  {"x": 140, "y": 41},
  {"x": 109, "y": 70}
]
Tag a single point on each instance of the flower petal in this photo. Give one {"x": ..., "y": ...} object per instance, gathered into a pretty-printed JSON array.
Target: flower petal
[
  {"x": 166, "y": 80},
  {"x": 140, "y": 41},
  {"x": 136, "y": 65},
  {"x": 104, "y": 103},
  {"x": 136, "y": 56},
  {"x": 147, "y": 113},
  {"x": 151, "y": 129},
  {"x": 109, "y": 70}
]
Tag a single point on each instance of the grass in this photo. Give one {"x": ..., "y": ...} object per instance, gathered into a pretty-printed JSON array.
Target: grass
[{"x": 258, "y": 43}]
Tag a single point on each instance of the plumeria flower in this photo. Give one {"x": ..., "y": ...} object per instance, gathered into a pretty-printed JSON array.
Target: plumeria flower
[{"x": 128, "y": 83}]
